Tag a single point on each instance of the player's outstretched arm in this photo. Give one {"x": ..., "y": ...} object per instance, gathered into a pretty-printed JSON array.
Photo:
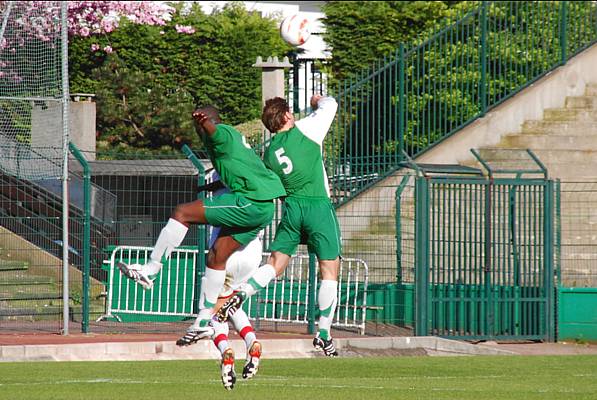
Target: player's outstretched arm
[
  {"x": 203, "y": 123},
  {"x": 316, "y": 125}
]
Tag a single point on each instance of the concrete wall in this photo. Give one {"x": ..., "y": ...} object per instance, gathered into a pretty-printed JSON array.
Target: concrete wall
[
  {"x": 46, "y": 125},
  {"x": 548, "y": 92}
]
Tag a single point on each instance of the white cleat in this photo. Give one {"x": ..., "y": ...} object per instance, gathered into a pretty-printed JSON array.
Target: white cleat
[
  {"x": 228, "y": 374},
  {"x": 253, "y": 357},
  {"x": 135, "y": 273}
]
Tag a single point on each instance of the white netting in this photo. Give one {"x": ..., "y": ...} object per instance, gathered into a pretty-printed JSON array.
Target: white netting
[{"x": 31, "y": 88}]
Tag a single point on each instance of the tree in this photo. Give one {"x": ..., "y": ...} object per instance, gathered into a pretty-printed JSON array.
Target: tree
[
  {"x": 135, "y": 111},
  {"x": 193, "y": 58},
  {"x": 360, "y": 33}
]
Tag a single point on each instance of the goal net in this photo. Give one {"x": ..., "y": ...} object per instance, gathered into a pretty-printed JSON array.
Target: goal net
[{"x": 32, "y": 90}]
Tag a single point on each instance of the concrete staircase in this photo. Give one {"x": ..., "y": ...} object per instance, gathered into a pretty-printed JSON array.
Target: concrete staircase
[
  {"x": 25, "y": 296},
  {"x": 32, "y": 294},
  {"x": 565, "y": 141}
]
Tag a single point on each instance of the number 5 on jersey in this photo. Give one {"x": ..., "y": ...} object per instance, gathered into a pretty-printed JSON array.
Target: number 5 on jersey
[{"x": 284, "y": 161}]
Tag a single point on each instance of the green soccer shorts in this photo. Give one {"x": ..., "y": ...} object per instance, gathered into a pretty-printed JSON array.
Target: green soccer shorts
[
  {"x": 238, "y": 216},
  {"x": 312, "y": 222}
]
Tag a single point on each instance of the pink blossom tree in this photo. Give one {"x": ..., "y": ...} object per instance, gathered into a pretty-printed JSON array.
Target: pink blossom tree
[{"x": 41, "y": 19}]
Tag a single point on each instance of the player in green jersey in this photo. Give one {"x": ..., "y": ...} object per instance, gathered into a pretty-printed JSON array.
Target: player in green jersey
[
  {"x": 241, "y": 214},
  {"x": 295, "y": 155}
]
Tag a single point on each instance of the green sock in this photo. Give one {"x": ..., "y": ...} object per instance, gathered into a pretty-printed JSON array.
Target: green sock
[{"x": 324, "y": 334}]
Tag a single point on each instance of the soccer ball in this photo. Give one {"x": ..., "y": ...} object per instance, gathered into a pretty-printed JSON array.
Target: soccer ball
[{"x": 295, "y": 30}]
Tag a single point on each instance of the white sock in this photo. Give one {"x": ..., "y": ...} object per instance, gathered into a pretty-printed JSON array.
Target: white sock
[
  {"x": 211, "y": 286},
  {"x": 327, "y": 299},
  {"x": 220, "y": 336},
  {"x": 241, "y": 323},
  {"x": 260, "y": 279},
  {"x": 170, "y": 237}
]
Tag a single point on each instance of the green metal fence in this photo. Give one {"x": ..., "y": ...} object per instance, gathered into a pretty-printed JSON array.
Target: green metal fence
[
  {"x": 576, "y": 260},
  {"x": 483, "y": 254},
  {"x": 128, "y": 202},
  {"x": 577, "y": 235},
  {"x": 413, "y": 99},
  {"x": 31, "y": 291}
]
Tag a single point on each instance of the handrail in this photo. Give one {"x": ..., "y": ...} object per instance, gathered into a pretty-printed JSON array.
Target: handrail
[{"x": 422, "y": 93}]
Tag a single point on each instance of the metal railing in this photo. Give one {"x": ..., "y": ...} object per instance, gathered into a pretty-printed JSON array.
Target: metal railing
[
  {"x": 289, "y": 298},
  {"x": 413, "y": 99}
]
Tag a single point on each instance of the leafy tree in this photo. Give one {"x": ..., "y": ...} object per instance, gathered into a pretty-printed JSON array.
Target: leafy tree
[
  {"x": 360, "y": 33},
  {"x": 133, "y": 110},
  {"x": 443, "y": 84},
  {"x": 193, "y": 59}
]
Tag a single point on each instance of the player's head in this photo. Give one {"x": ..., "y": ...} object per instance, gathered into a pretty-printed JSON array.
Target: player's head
[
  {"x": 276, "y": 113},
  {"x": 212, "y": 113}
]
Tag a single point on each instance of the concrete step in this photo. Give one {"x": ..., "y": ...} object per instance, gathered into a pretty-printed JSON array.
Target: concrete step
[
  {"x": 16, "y": 297},
  {"x": 547, "y": 142},
  {"x": 591, "y": 89},
  {"x": 582, "y": 256},
  {"x": 581, "y": 102},
  {"x": 545, "y": 155},
  {"x": 562, "y": 170},
  {"x": 371, "y": 241},
  {"x": 23, "y": 280},
  {"x": 566, "y": 114},
  {"x": 35, "y": 313},
  {"x": 13, "y": 265},
  {"x": 559, "y": 127}
]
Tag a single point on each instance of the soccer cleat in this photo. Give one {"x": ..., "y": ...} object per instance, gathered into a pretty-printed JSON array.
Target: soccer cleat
[
  {"x": 228, "y": 375},
  {"x": 327, "y": 346},
  {"x": 252, "y": 365},
  {"x": 135, "y": 273},
  {"x": 230, "y": 307},
  {"x": 195, "y": 334}
]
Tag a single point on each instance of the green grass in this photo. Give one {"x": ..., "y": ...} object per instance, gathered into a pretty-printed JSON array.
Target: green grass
[{"x": 509, "y": 377}]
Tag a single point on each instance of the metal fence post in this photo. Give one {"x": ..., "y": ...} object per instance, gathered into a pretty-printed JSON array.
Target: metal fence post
[
  {"x": 421, "y": 256},
  {"x": 401, "y": 102},
  {"x": 483, "y": 58},
  {"x": 488, "y": 325},
  {"x": 563, "y": 32},
  {"x": 295, "y": 83},
  {"x": 398, "y": 199},
  {"x": 548, "y": 243},
  {"x": 312, "y": 291},
  {"x": 201, "y": 237},
  {"x": 558, "y": 232},
  {"x": 86, "y": 234}
]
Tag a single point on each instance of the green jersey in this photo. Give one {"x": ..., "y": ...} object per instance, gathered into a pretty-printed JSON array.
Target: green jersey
[
  {"x": 240, "y": 169},
  {"x": 296, "y": 155}
]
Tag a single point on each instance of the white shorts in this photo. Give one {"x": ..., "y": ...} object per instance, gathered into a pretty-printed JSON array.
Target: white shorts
[{"x": 241, "y": 265}]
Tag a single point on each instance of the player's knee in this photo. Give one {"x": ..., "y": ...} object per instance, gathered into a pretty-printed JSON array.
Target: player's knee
[
  {"x": 329, "y": 268},
  {"x": 279, "y": 261},
  {"x": 216, "y": 259},
  {"x": 215, "y": 262}
]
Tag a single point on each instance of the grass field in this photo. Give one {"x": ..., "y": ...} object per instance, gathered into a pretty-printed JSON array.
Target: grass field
[{"x": 509, "y": 377}]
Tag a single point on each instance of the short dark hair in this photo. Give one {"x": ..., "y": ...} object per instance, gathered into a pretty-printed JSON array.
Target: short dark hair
[
  {"x": 212, "y": 112},
  {"x": 274, "y": 114}
]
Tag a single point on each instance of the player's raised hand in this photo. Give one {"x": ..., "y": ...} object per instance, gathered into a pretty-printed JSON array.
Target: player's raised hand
[
  {"x": 203, "y": 122},
  {"x": 314, "y": 100},
  {"x": 199, "y": 116}
]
